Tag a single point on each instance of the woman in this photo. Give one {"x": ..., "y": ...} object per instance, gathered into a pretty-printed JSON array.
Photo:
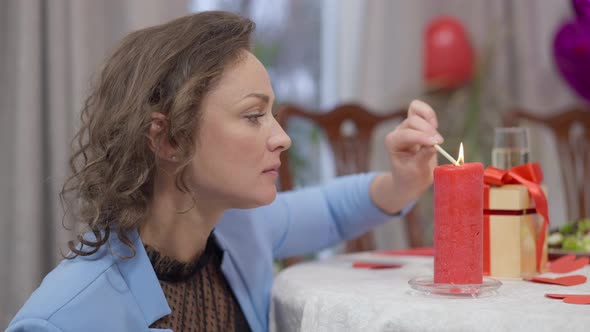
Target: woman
[{"x": 174, "y": 175}]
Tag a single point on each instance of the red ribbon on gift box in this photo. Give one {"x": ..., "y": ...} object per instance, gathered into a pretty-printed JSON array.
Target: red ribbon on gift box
[{"x": 531, "y": 176}]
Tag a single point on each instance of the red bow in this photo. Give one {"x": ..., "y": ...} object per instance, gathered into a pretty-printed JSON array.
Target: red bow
[{"x": 531, "y": 176}]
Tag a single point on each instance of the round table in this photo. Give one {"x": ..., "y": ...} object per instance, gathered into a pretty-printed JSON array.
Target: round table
[{"x": 331, "y": 295}]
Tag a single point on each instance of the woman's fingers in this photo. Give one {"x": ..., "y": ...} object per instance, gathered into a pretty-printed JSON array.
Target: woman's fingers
[
  {"x": 408, "y": 139},
  {"x": 420, "y": 124},
  {"x": 424, "y": 111}
]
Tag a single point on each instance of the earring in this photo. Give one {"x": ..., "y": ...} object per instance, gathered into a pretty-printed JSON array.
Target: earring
[{"x": 173, "y": 157}]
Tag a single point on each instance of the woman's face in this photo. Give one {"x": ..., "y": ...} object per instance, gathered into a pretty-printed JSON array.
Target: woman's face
[{"x": 239, "y": 141}]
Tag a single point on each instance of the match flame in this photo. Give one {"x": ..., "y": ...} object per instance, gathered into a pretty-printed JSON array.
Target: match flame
[{"x": 461, "y": 158}]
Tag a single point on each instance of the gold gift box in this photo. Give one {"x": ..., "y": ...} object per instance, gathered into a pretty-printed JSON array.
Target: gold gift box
[{"x": 511, "y": 229}]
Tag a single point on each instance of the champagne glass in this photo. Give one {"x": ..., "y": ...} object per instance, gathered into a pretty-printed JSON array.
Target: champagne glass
[{"x": 511, "y": 147}]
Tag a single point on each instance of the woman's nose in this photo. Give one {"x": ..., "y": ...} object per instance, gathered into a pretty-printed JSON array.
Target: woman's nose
[{"x": 278, "y": 140}]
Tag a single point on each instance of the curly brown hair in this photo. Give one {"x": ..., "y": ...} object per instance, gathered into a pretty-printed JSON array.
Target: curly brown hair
[{"x": 167, "y": 68}]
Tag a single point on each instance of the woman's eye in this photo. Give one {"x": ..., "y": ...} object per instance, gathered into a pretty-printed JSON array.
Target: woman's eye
[{"x": 254, "y": 117}]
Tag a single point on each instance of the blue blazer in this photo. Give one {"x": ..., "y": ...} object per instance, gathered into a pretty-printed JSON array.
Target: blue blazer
[{"x": 105, "y": 292}]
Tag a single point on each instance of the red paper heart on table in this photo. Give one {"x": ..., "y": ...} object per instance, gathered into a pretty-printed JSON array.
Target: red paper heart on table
[
  {"x": 567, "y": 264},
  {"x": 366, "y": 265},
  {"x": 563, "y": 281},
  {"x": 420, "y": 251},
  {"x": 571, "y": 298},
  {"x": 581, "y": 299}
]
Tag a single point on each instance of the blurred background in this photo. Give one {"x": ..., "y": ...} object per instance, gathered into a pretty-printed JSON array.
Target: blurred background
[{"x": 473, "y": 60}]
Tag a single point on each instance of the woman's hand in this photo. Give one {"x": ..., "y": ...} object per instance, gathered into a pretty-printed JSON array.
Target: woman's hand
[
  {"x": 413, "y": 159},
  {"x": 411, "y": 148}
]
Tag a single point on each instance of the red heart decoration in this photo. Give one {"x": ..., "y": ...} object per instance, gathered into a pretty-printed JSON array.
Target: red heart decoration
[
  {"x": 366, "y": 265},
  {"x": 577, "y": 299},
  {"x": 568, "y": 264},
  {"x": 449, "y": 57},
  {"x": 563, "y": 281},
  {"x": 419, "y": 251},
  {"x": 571, "y": 298}
]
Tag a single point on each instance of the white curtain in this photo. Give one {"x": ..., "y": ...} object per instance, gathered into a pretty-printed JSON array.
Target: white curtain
[
  {"x": 49, "y": 52},
  {"x": 377, "y": 58}
]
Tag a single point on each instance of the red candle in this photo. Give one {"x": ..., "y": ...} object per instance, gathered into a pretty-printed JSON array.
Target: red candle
[{"x": 458, "y": 224}]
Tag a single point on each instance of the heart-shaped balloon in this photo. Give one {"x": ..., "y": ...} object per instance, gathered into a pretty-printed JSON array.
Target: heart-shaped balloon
[
  {"x": 582, "y": 8},
  {"x": 571, "y": 49},
  {"x": 449, "y": 56}
]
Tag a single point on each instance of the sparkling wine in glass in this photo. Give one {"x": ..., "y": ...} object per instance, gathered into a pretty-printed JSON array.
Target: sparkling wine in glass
[{"x": 511, "y": 147}]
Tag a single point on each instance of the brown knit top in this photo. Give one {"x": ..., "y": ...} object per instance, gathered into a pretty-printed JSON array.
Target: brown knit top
[{"x": 198, "y": 294}]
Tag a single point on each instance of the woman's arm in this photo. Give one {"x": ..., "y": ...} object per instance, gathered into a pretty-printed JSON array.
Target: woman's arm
[{"x": 314, "y": 218}]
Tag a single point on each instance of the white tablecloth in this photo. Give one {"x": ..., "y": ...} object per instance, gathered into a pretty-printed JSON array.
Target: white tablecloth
[{"x": 332, "y": 296}]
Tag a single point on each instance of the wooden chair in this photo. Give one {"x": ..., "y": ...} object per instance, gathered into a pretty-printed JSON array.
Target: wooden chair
[
  {"x": 571, "y": 129},
  {"x": 349, "y": 129}
]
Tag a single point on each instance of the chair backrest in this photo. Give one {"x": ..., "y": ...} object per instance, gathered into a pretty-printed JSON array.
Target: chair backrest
[
  {"x": 571, "y": 129},
  {"x": 349, "y": 129}
]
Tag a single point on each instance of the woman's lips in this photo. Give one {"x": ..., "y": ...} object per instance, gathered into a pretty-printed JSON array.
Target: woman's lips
[
  {"x": 273, "y": 173},
  {"x": 273, "y": 170}
]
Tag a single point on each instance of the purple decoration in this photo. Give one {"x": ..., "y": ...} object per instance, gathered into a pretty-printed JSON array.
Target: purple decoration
[
  {"x": 571, "y": 49},
  {"x": 582, "y": 8}
]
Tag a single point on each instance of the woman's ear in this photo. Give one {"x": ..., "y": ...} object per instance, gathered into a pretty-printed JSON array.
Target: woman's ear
[{"x": 158, "y": 138}]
